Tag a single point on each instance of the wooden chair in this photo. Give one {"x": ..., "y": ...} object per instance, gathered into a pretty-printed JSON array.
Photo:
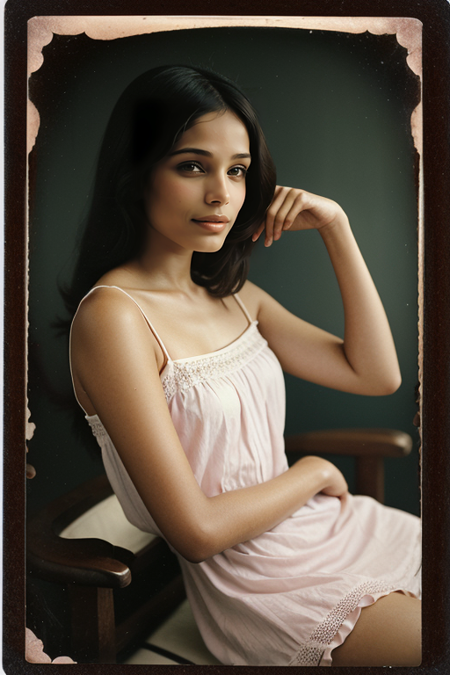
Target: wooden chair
[{"x": 124, "y": 585}]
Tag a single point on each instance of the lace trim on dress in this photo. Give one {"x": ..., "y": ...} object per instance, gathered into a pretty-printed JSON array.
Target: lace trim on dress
[
  {"x": 311, "y": 652},
  {"x": 96, "y": 426},
  {"x": 183, "y": 374}
]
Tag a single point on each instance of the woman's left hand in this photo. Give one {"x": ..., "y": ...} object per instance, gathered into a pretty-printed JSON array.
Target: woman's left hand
[{"x": 294, "y": 209}]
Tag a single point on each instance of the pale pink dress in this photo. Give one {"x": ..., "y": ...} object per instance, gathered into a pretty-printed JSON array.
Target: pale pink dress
[{"x": 294, "y": 593}]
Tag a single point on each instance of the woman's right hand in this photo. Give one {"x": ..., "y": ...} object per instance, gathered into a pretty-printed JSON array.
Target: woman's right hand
[
  {"x": 337, "y": 484},
  {"x": 333, "y": 481}
]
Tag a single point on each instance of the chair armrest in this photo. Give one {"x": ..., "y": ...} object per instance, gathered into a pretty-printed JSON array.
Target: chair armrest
[
  {"x": 356, "y": 442},
  {"x": 89, "y": 562}
]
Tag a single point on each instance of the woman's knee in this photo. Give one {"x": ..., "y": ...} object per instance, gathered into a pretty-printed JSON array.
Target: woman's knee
[{"x": 388, "y": 633}]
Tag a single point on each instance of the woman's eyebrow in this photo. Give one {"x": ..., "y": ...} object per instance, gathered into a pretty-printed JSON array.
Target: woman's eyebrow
[{"x": 205, "y": 153}]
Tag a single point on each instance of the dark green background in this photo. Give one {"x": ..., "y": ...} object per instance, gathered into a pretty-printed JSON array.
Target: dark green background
[{"x": 335, "y": 109}]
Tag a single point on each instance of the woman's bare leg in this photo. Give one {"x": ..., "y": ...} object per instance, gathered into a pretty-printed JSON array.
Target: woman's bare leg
[{"x": 388, "y": 633}]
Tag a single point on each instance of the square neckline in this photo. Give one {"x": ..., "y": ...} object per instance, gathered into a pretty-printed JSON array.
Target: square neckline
[
  {"x": 252, "y": 325},
  {"x": 216, "y": 352},
  {"x": 185, "y": 359},
  {"x": 219, "y": 352}
]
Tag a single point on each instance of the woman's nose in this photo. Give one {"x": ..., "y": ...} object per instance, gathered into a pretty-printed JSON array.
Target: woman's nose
[{"x": 217, "y": 190}]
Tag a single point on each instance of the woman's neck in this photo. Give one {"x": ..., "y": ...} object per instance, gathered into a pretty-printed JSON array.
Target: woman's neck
[{"x": 164, "y": 266}]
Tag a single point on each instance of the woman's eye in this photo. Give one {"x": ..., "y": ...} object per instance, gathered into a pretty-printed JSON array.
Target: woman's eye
[
  {"x": 238, "y": 171},
  {"x": 191, "y": 167}
]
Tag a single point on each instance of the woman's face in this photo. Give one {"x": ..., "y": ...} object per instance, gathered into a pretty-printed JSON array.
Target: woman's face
[{"x": 195, "y": 193}]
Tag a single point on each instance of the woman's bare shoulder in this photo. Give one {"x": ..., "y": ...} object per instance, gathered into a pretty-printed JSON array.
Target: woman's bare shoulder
[
  {"x": 253, "y": 298},
  {"x": 108, "y": 316},
  {"x": 105, "y": 305}
]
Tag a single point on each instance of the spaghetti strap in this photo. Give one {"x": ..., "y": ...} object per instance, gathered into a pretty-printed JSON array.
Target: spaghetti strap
[
  {"x": 243, "y": 307},
  {"x": 150, "y": 325}
]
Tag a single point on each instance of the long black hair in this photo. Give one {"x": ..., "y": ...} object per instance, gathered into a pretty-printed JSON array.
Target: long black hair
[{"x": 148, "y": 119}]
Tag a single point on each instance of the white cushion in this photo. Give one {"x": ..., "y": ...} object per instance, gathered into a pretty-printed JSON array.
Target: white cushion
[
  {"x": 179, "y": 635},
  {"x": 106, "y": 520}
]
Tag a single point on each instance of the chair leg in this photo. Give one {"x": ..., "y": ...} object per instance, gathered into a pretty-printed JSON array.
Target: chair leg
[
  {"x": 93, "y": 625},
  {"x": 370, "y": 477}
]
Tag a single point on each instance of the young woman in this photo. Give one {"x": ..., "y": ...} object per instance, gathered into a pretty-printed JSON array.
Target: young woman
[{"x": 177, "y": 362}]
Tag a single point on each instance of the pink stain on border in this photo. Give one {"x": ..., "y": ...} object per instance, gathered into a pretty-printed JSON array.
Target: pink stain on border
[{"x": 41, "y": 29}]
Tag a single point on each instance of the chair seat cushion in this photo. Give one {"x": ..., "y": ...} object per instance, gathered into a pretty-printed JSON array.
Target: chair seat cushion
[
  {"x": 106, "y": 520},
  {"x": 176, "y": 641}
]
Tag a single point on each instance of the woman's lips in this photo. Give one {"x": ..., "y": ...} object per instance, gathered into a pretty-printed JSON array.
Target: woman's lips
[{"x": 211, "y": 223}]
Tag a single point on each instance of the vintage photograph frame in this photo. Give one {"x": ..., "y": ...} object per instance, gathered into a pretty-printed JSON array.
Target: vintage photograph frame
[{"x": 433, "y": 287}]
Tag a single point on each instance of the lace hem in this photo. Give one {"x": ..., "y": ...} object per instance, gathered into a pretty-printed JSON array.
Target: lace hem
[{"x": 310, "y": 654}]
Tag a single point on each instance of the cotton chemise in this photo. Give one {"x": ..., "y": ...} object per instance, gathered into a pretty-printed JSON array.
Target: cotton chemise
[{"x": 294, "y": 593}]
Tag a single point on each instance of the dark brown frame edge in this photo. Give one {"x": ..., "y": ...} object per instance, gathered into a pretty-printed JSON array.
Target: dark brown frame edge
[{"x": 435, "y": 16}]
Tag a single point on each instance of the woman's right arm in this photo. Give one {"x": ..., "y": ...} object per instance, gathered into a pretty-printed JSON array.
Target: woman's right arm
[{"x": 116, "y": 360}]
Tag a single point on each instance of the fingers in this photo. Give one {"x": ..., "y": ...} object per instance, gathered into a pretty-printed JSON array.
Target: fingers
[
  {"x": 286, "y": 216},
  {"x": 344, "y": 497},
  {"x": 267, "y": 224},
  {"x": 285, "y": 207},
  {"x": 259, "y": 231},
  {"x": 296, "y": 209},
  {"x": 276, "y": 214}
]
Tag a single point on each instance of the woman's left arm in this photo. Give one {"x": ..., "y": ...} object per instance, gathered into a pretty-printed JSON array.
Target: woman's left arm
[{"x": 365, "y": 361}]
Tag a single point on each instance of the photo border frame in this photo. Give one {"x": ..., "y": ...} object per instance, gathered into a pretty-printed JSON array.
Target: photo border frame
[{"x": 435, "y": 394}]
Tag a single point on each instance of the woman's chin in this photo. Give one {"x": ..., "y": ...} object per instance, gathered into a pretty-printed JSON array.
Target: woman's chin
[{"x": 211, "y": 246}]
